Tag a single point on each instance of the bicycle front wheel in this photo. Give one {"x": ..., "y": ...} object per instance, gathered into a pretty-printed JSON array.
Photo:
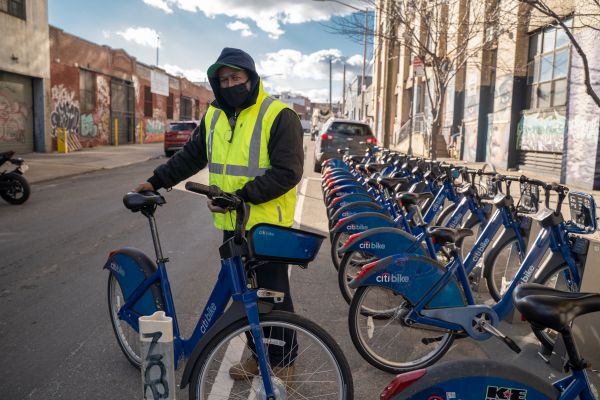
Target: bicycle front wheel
[
  {"x": 381, "y": 335},
  {"x": 314, "y": 365},
  {"x": 337, "y": 242},
  {"x": 501, "y": 265},
  {"x": 350, "y": 265}
]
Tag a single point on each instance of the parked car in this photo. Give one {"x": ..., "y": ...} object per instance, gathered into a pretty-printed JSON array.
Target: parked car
[
  {"x": 177, "y": 135},
  {"x": 339, "y": 134}
]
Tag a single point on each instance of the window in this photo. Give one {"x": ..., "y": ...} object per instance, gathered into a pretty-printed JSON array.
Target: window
[
  {"x": 170, "y": 106},
  {"x": 548, "y": 68},
  {"x": 147, "y": 102},
  {"x": 13, "y": 7},
  {"x": 182, "y": 126},
  {"x": 197, "y": 111},
  {"x": 185, "y": 112},
  {"x": 350, "y": 129},
  {"x": 87, "y": 91}
]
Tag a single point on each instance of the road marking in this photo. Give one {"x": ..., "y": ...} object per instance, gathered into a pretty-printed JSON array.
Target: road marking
[
  {"x": 223, "y": 382},
  {"x": 300, "y": 204}
]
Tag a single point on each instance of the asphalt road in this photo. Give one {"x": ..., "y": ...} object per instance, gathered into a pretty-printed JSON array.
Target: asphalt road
[{"x": 56, "y": 340}]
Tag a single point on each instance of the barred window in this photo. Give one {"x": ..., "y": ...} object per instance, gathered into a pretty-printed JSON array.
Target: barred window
[
  {"x": 13, "y": 7},
  {"x": 197, "y": 110},
  {"x": 87, "y": 91},
  {"x": 147, "y": 102},
  {"x": 185, "y": 112},
  {"x": 170, "y": 101},
  {"x": 548, "y": 68}
]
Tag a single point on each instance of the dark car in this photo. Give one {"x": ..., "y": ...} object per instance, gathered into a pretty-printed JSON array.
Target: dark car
[
  {"x": 340, "y": 134},
  {"x": 177, "y": 135}
]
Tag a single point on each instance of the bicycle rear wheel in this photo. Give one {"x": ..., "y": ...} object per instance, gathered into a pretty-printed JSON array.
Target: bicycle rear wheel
[
  {"x": 382, "y": 337},
  {"x": 501, "y": 264},
  {"x": 320, "y": 369}
]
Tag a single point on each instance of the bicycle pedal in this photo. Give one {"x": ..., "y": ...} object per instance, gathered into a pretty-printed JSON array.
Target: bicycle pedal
[{"x": 268, "y": 294}]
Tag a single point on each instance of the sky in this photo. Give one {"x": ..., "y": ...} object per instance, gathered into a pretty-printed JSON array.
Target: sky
[{"x": 291, "y": 41}]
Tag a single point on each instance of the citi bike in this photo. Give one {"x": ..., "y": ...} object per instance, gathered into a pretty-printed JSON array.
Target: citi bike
[
  {"x": 489, "y": 379},
  {"x": 137, "y": 286},
  {"x": 408, "y": 309}
]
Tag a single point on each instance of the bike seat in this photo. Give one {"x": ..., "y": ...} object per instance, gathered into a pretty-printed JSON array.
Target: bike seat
[
  {"x": 372, "y": 168},
  {"x": 547, "y": 217},
  {"x": 355, "y": 158},
  {"x": 390, "y": 183},
  {"x": 465, "y": 189},
  {"x": 362, "y": 168},
  {"x": 138, "y": 201},
  {"x": 553, "y": 308},
  {"x": 448, "y": 235},
  {"x": 372, "y": 181},
  {"x": 6, "y": 155},
  {"x": 410, "y": 198}
]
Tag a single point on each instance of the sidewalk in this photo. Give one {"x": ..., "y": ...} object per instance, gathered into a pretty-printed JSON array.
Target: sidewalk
[{"x": 48, "y": 166}]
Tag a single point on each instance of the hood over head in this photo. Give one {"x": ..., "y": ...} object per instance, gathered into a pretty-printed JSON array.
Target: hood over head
[{"x": 233, "y": 58}]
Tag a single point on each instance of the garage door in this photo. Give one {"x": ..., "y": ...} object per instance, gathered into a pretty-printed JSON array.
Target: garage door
[{"x": 16, "y": 113}]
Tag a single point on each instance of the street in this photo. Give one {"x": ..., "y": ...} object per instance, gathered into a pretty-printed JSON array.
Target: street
[{"x": 57, "y": 341}]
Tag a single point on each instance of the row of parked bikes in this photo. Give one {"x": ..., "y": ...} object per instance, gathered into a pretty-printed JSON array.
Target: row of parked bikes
[{"x": 411, "y": 239}]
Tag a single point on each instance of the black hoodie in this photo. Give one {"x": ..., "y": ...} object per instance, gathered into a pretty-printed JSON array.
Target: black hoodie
[{"x": 285, "y": 147}]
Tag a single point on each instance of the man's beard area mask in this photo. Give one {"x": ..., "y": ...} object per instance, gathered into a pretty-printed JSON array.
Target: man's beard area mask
[{"x": 236, "y": 95}]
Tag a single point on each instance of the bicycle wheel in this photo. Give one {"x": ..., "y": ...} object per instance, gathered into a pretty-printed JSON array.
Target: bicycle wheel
[
  {"x": 337, "y": 241},
  {"x": 467, "y": 243},
  {"x": 559, "y": 278},
  {"x": 351, "y": 263},
  {"x": 501, "y": 265},
  {"x": 127, "y": 337},
  {"x": 385, "y": 340},
  {"x": 320, "y": 368}
]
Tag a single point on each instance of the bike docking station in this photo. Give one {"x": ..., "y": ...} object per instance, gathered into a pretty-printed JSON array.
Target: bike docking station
[{"x": 158, "y": 367}]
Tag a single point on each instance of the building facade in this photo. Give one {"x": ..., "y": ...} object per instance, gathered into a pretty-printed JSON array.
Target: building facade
[
  {"x": 24, "y": 76},
  {"x": 104, "y": 96},
  {"x": 517, "y": 101}
]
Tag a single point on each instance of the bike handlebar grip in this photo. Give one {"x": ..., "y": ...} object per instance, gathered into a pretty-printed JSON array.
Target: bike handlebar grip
[
  {"x": 208, "y": 191},
  {"x": 511, "y": 343}
]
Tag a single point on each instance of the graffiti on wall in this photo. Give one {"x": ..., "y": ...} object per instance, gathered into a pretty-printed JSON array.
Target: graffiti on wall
[
  {"x": 472, "y": 93},
  {"x": 498, "y": 134},
  {"x": 470, "y": 141},
  {"x": 155, "y": 126},
  {"x": 13, "y": 115},
  {"x": 102, "y": 114},
  {"x": 541, "y": 132},
  {"x": 66, "y": 110},
  {"x": 88, "y": 127},
  {"x": 503, "y": 92}
]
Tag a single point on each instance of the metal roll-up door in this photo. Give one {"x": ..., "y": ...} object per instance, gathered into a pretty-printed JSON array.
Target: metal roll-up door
[
  {"x": 16, "y": 113},
  {"x": 122, "y": 110}
]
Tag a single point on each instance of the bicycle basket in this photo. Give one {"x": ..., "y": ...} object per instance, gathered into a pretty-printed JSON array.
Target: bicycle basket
[
  {"x": 491, "y": 188},
  {"x": 583, "y": 211},
  {"x": 530, "y": 198},
  {"x": 285, "y": 245}
]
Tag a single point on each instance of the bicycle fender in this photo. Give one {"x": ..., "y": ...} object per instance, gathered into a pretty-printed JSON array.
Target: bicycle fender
[
  {"x": 344, "y": 190},
  {"x": 348, "y": 199},
  {"x": 356, "y": 207},
  {"x": 233, "y": 314},
  {"x": 412, "y": 277},
  {"x": 382, "y": 242},
  {"x": 362, "y": 221},
  {"x": 338, "y": 181},
  {"x": 131, "y": 266}
]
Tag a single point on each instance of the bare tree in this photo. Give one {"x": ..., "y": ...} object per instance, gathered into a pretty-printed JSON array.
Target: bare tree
[
  {"x": 585, "y": 14},
  {"x": 444, "y": 34}
]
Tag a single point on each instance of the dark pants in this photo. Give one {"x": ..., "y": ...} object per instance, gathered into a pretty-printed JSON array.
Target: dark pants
[{"x": 274, "y": 276}]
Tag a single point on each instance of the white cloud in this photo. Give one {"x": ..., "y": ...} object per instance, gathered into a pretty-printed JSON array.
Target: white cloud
[
  {"x": 106, "y": 34},
  {"x": 160, "y": 4},
  {"x": 268, "y": 15},
  {"x": 292, "y": 64},
  {"x": 240, "y": 26},
  {"x": 140, "y": 35},
  {"x": 194, "y": 75}
]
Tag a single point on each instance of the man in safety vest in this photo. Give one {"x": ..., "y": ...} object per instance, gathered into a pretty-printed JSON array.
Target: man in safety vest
[{"x": 252, "y": 145}]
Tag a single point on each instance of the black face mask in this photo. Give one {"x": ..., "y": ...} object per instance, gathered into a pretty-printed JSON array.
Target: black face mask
[{"x": 236, "y": 95}]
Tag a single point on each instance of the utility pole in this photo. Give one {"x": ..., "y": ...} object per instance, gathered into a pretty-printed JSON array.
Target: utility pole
[
  {"x": 157, "y": 47},
  {"x": 330, "y": 108},
  {"x": 363, "y": 83},
  {"x": 344, "y": 93}
]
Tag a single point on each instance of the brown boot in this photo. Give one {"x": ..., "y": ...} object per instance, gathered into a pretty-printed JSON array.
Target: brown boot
[
  {"x": 286, "y": 374},
  {"x": 246, "y": 369}
]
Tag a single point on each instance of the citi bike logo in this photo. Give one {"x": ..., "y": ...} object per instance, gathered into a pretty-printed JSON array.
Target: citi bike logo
[
  {"x": 479, "y": 251},
  {"x": 117, "y": 269},
  {"x": 455, "y": 221},
  {"x": 372, "y": 245},
  {"x": 527, "y": 275},
  {"x": 386, "y": 277},
  {"x": 357, "y": 227},
  {"x": 265, "y": 233},
  {"x": 210, "y": 312}
]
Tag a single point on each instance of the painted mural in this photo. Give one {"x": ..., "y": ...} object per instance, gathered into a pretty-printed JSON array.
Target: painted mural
[
  {"x": 542, "y": 132},
  {"x": 102, "y": 114},
  {"x": 13, "y": 117},
  {"x": 65, "y": 112}
]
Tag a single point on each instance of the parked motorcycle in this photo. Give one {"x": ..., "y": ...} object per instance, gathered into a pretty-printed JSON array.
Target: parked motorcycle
[{"x": 14, "y": 188}]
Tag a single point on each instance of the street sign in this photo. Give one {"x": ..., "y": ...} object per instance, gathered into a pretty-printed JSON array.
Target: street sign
[{"x": 418, "y": 67}]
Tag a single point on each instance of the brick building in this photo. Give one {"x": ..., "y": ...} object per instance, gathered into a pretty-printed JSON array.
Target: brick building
[{"x": 103, "y": 96}]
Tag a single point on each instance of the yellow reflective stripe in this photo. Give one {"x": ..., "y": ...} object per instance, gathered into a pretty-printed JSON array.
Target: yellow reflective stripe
[{"x": 211, "y": 133}]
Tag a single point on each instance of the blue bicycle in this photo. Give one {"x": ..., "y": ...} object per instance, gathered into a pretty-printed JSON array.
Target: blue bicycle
[
  {"x": 488, "y": 379},
  {"x": 408, "y": 309},
  {"x": 296, "y": 358}
]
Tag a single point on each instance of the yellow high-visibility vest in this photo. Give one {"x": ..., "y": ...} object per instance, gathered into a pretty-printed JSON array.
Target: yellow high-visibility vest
[{"x": 235, "y": 158}]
